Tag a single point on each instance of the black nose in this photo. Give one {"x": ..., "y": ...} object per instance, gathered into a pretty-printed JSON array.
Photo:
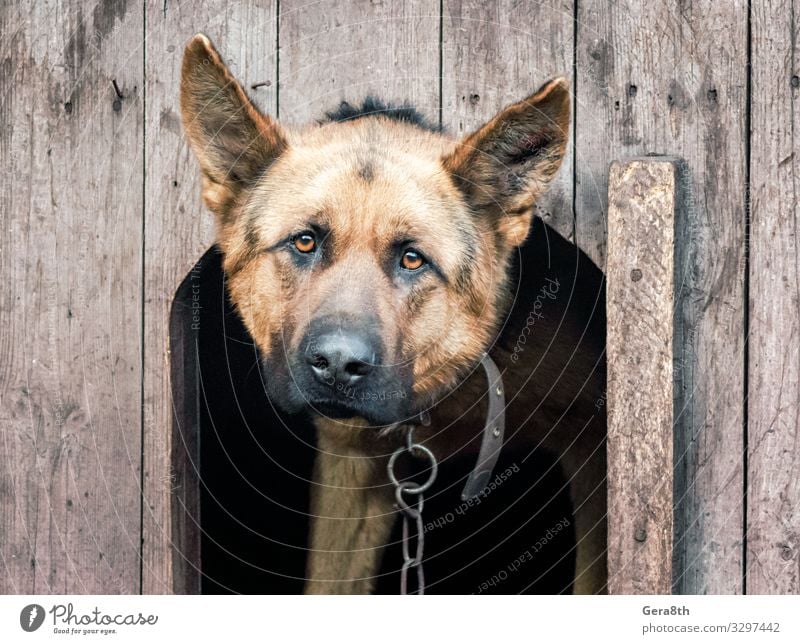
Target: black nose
[{"x": 340, "y": 357}]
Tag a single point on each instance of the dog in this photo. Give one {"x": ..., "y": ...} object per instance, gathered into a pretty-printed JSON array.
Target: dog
[{"x": 371, "y": 257}]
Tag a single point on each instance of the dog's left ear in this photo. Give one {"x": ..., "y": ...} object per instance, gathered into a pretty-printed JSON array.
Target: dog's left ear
[{"x": 505, "y": 166}]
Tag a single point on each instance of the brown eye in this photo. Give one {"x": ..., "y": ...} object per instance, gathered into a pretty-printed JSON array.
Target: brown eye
[
  {"x": 412, "y": 260},
  {"x": 305, "y": 242}
]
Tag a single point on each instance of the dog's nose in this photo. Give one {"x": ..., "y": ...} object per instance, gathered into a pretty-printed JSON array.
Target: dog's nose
[{"x": 340, "y": 357}]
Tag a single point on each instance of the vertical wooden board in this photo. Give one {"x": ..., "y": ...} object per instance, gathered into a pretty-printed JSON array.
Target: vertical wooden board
[
  {"x": 670, "y": 78},
  {"x": 666, "y": 79},
  {"x": 178, "y": 228},
  {"x": 495, "y": 53},
  {"x": 643, "y": 197},
  {"x": 332, "y": 51},
  {"x": 773, "y": 521},
  {"x": 70, "y": 256}
]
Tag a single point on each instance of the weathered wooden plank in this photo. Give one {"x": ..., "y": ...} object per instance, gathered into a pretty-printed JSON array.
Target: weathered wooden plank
[
  {"x": 333, "y": 51},
  {"x": 70, "y": 256},
  {"x": 773, "y": 502},
  {"x": 644, "y": 201},
  {"x": 670, "y": 78},
  {"x": 177, "y": 231},
  {"x": 495, "y": 53}
]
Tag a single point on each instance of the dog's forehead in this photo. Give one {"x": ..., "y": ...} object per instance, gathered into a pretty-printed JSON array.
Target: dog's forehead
[{"x": 375, "y": 187}]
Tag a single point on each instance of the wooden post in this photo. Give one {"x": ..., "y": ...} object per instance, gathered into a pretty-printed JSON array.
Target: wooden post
[{"x": 645, "y": 242}]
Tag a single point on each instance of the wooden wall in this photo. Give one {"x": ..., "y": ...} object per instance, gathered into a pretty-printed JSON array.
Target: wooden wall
[{"x": 102, "y": 218}]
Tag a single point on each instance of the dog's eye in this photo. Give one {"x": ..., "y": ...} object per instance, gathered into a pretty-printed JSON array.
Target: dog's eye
[
  {"x": 305, "y": 242},
  {"x": 412, "y": 260}
]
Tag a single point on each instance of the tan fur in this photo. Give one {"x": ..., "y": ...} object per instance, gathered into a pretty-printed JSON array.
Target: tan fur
[
  {"x": 365, "y": 180},
  {"x": 349, "y": 530}
]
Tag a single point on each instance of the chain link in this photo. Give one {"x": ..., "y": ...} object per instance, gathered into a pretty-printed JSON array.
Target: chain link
[{"x": 412, "y": 512}]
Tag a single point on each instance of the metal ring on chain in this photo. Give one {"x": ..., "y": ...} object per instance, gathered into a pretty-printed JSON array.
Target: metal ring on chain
[{"x": 413, "y": 488}]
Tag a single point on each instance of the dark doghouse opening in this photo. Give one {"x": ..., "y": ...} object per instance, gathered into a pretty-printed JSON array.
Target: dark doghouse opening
[{"x": 242, "y": 470}]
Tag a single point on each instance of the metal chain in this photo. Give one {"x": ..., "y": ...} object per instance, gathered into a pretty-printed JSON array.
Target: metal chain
[{"x": 412, "y": 513}]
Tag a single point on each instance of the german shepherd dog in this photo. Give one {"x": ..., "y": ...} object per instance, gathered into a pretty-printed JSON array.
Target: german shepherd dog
[{"x": 371, "y": 258}]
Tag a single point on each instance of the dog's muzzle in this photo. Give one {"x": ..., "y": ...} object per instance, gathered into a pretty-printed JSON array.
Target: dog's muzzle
[{"x": 339, "y": 372}]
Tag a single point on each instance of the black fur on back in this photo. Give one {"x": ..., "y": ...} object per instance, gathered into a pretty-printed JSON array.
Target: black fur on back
[{"x": 372, "y": 106}]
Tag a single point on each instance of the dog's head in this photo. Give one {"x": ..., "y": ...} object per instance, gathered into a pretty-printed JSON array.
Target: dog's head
[{"x": 368, "y": 257}]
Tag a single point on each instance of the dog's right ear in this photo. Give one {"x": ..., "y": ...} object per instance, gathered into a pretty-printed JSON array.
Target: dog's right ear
[{"x": 233, "y": 141}]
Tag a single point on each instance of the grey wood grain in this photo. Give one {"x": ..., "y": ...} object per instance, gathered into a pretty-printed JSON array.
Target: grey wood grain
[
  {"x": 773, "y": 502},
  {"x": 495, "y": 53},
  {"x": 71, "y": 204},
  {"x": 333, "y": 51},
  {"x": 178, "y": 229},
  {"x": 670, "y": 78}
]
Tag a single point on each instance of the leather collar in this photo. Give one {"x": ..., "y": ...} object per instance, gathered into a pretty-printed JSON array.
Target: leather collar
[{"x": 493, "y": 432}]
